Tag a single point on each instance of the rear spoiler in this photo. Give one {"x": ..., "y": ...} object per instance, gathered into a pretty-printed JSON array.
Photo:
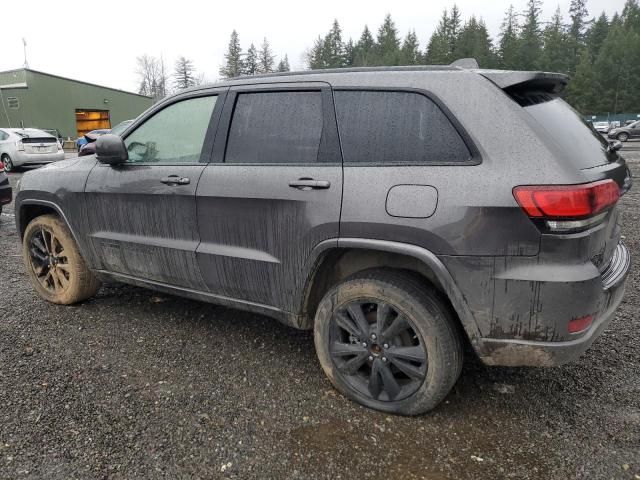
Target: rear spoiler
[{"x": 516, "y": 81}]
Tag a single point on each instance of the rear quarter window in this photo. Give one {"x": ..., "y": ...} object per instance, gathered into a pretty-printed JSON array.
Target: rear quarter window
[
  {"x": 387, "y": 127},
  {"x": 567, "y": 128}
]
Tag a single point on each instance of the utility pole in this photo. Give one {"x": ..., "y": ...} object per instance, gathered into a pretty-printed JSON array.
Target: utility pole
[{"x": 24, "y": 45}]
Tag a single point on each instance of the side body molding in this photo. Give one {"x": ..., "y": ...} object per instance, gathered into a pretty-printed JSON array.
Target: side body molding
[{"x": 421, "y": 254}]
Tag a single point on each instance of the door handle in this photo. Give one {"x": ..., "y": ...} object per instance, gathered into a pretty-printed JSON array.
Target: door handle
[
  {"x": 175, "y": 180},
  {"x": 309, "y": 184}
]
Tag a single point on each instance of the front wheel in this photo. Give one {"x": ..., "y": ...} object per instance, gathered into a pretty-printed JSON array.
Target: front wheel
[
  {"x": 623, "y": 137},
  {"x": 388, "y": 342},
  {"x": 56, "y": 269}
]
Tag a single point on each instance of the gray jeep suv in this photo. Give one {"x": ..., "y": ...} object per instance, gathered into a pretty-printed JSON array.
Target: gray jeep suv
[{"x": 384, "y": 208}]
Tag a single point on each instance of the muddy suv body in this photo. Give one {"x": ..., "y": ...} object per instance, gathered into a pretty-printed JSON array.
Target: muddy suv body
[{"x": 398, "y": 190}]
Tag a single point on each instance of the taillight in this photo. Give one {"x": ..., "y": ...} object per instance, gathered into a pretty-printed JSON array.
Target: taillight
[
  {"x": 20, "y": 146},
  {"x": 578, "y": 325},
  {"x": 568, "y": 207}
]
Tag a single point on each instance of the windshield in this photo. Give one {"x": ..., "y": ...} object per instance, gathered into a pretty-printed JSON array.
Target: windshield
[
  {"x": 567, "y": 127},
  {"x": 121, "y": 127}
]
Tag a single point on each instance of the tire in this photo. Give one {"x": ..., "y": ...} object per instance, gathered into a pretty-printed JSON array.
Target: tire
[
  {"x": 623, "y": 137},
  {"x": 430, "y": 339},
  {"x": 62, "y": 279},
  {"x": 8, "y": 163}
]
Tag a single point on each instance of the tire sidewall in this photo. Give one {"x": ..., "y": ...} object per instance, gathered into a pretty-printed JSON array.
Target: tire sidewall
[{"x": 426, "y": 319}]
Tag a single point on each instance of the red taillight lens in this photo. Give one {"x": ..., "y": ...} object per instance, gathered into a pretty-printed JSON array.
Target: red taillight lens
[
  {"x": 567, "y": 201},
  {"x": 579, "y": 324}
]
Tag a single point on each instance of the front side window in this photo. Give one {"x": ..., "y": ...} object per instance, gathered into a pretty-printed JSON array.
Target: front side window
[
  {"x": 173, "y": 135},
  {"x": 396, "y": 127},
  {"x": 275, "y": 127}
]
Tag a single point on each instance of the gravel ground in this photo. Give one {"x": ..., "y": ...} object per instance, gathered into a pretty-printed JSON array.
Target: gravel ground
[{"x": 132, "y": 384}]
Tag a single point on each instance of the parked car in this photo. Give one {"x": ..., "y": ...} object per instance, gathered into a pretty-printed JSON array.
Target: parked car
[
  {"x": 625, "y": 133},
  {"x": 376, "y": 206},
  {"x": 83, "y": 139},
  {"x": 89, "y": 148},
  {"x": 602, "y": 127},
  {"x": 28, "y": 147},
  {"x": 5, "y": 188}
]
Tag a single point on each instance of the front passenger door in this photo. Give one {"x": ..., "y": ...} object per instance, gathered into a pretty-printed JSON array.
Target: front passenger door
[{"x": 142, "y": 214}]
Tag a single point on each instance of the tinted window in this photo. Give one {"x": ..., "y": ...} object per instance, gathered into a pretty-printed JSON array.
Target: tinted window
[
  {"x": 569, "y": 130},
  {"x": 3, "y": 136},
  {"x": 275, "y": 127},
  {"x": 173, "y": 135},
  {"x": 396, "y": 127}
]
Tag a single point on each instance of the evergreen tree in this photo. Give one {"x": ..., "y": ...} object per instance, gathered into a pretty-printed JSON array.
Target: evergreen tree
[
  {"x": 183, "y": 74},
  {"x": 438, "y": 52},
  {"x": 575, "y": 35},
  {"x": 266, "y": 60},
  {"x": 616, "y": 69},
  {"x": 557, "y": 54},
  {"x": 233, "y": 58},
  {"x": 388, "y": 43},
  {"x": 596, "y": 35},
  {"x": 333, "y": 50},
  {"x": 474, "y": 42},
  {"x": 365, "y": 49},
  {"x": 453, "y": 32},
  {"x": 508, "y": 46},
  {"x": 250, "y": 64},
  {"x": 283, "y": 65},
  {"x": 314, "y": 56},
  {"x": 530, "y": 38},
  {"x": 410, "y": 52},
  {"x": 581, "y": 90},
  {"x": 349, "y": 53},
  {"x": 578, "y": 13}
]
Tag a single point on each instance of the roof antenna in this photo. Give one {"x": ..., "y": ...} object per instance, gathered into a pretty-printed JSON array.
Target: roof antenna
[
  {"x": 466, "y": 63},
  {"x": 24, "y": 45}
]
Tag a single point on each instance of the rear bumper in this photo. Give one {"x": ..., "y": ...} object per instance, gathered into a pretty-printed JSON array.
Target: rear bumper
[
  {"x": 516, "y": 352},
  {"x": 21, "y": 159}
]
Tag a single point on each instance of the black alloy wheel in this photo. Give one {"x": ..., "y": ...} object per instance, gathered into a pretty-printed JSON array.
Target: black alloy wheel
[{"x": 377, "y": 351}]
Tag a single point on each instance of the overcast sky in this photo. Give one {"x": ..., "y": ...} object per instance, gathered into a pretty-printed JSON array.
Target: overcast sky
[{"x": 98, "y": 42}]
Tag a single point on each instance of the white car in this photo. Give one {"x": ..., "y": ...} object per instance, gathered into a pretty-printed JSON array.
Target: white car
[
  {"x": 28, "y": 147},
  {"x": 602, "y": 127}
]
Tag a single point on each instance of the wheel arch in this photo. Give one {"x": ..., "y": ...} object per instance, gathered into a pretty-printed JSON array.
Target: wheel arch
[
  {"x": 332, "y": 261},
  {"x": 32, "y": 208}
]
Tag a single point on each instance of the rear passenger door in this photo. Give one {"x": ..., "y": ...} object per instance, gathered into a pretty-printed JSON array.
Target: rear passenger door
[
  {"x": 272, "y": 192},
  {"x": 400, "y": 151}
]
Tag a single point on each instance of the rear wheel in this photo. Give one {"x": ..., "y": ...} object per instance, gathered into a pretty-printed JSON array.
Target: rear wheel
[
  {"x": 56, "y": 269},
  {"x": 623, "y": 137},
  {"x": 8, "y": 163},
  {"x": 387, "y": 342}
]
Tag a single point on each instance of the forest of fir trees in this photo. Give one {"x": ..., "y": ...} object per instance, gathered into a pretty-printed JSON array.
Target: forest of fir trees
[{"x": 601, "y": 54}]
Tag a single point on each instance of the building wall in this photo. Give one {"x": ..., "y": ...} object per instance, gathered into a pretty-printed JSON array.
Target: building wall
[{"x": 51, "y": 102}]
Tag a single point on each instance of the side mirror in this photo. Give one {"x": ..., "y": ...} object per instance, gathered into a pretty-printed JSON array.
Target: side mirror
[
  {"x": 615, "y": 145},
  {"x": 110, "y": 149}
]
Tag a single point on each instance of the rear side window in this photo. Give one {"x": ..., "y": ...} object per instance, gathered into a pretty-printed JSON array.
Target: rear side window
[
  {"x": 396, "y": 127},
  {"x": 275, "y": 127},
  {"x": 567, "y": 128}
]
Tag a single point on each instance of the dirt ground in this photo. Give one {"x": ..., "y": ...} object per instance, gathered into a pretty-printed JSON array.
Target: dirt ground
[{"x": 132, "y": 384}]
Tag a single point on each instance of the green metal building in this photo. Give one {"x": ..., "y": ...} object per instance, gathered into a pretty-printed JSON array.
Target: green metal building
[{"x": 40, "y": 100}]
